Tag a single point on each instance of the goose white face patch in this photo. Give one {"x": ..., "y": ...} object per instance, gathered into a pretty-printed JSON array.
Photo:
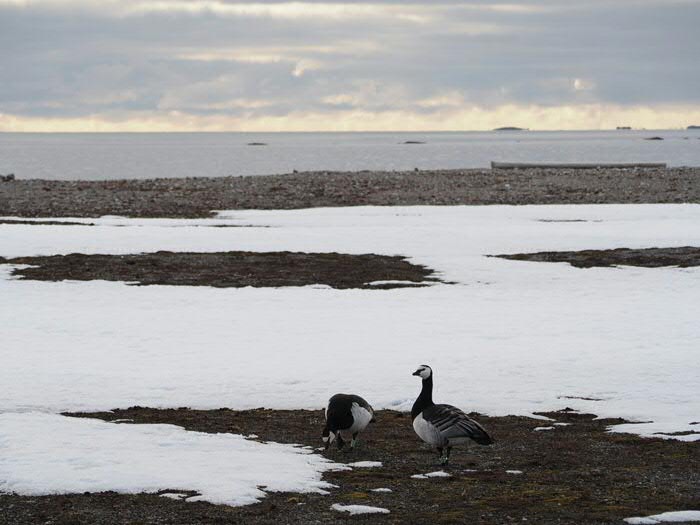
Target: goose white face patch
[{"x": 424, "y": 372}]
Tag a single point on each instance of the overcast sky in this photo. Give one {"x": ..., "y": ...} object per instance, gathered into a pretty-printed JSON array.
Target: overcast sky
[{"x": 382, "y": 65}]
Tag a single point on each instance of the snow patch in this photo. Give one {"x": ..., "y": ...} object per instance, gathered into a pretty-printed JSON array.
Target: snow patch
[
  {"x": 540, "y": 429},
  {"x": 408, "y": 283},
  {"x": 516, "y": 472},
  {"x": 173, "y": 495},
  {"x": 382, "y": 489},
  {"x": 359, "y": 509},
  {"x": 667, "y": 517},
  {"x": 436, "y": 474},
  {"x": 52, "y": 454},
  {"x": 365, "y": 464},
  {"x": 72, "y": 346}
]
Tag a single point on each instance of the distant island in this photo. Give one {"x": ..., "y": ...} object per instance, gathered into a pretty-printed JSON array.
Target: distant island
[
  {"x": 510, "y": 128},
  {"x": 624, "y": 127},
  {"x": 693, "y": 127}
]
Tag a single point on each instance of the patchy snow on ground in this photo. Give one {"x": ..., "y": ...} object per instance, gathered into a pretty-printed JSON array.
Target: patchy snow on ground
[
  {"x": 436, "y": 474},
  {"x": 524, "y": 333},
  {"x": 382, "y": 489},
  {"x": 541, "y": 429},
  {"x": 365, "y": 464},
  {"x": 178, "y": 496},
  {"x": 359, "y": 509},
  {"x": 680, "y": 516},
  {"x": 50, "y": 454},
  {"x": 516, "y": 472}
]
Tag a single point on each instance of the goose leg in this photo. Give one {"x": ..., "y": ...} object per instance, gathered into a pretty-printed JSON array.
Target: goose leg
[
  {"x": 439, "y": 449},
  {"x": 341, "y": 442},
  {"x": 447, "y": 455},
  {"x": 354, "y": 441}
]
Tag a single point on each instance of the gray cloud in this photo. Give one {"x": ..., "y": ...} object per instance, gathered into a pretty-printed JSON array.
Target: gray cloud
[{"x": 72, "y": 58}]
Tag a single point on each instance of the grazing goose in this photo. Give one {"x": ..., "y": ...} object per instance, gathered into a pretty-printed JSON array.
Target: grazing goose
[
  {"x": 346, "y": 414},
  {"x": 442, "y": 426}
]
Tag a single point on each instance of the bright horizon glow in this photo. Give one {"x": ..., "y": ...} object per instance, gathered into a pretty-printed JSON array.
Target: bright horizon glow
[{"x": 533, "y": 118}]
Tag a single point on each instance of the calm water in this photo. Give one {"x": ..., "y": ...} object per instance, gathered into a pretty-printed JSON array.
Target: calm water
[{"x": 132, "y": 155}]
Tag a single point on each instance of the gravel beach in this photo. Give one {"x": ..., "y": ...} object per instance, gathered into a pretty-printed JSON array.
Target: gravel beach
[{"x": 197, "y": 197}]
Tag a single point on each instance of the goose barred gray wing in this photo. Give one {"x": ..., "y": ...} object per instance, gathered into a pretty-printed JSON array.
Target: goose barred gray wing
[{"x": 453, "y": 424}]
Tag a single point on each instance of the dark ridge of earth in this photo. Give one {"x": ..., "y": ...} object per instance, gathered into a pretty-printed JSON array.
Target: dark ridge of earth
[
  {"x": 44, "y": 223},
  {"x": 576, "y": 474},
  {"x": 198, "y": 196},
  {"x": 683, "y": 257},
  {"x": 230, "y": 269}
]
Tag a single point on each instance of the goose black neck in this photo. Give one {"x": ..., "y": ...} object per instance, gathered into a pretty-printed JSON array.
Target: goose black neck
[{"x": 425, "y": 399}]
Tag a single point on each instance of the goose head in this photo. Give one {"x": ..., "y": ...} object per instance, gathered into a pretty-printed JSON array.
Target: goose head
[
  {"x": 328, "y": 437},
  {"x": 424, "y": 372}
]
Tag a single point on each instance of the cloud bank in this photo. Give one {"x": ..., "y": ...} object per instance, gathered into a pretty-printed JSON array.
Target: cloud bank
[{"x": 383, "y": 65}]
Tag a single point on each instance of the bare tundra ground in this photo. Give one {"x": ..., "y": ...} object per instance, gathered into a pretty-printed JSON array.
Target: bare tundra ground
[{"x": 573, "y": 474}]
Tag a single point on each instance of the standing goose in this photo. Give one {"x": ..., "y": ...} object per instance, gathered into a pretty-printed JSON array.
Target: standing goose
[
  {"x": 346, "y": 414},
  {"x": 442, "y": 426}
]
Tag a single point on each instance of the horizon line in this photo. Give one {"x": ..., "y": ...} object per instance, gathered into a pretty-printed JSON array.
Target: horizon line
[{"x": 76, "y": 132}]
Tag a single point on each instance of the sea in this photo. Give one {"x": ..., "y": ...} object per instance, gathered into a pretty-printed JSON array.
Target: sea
[{"x": 102, "y": 156}]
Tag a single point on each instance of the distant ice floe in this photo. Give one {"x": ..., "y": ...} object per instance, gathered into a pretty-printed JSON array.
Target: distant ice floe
[
  {"x": 680, "y": 516},
  {"x": 359, "y": 509}
]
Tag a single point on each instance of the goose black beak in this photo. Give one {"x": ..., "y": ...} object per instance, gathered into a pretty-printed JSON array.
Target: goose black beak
[{"x": 416, "y": 373}]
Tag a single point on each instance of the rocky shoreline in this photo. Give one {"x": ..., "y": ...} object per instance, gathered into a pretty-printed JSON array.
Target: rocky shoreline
[{"x": 198, "y": 196}]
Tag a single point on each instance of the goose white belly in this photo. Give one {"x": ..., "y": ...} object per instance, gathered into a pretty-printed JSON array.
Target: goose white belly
[
  {"x": 361, "y": 418},
  {"x": 428, "y": 432}
]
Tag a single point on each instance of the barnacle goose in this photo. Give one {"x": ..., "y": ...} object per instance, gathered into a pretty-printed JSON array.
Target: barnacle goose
[
  {"x": 442, "y": 426},
  {"x": 346, "y": 414}
]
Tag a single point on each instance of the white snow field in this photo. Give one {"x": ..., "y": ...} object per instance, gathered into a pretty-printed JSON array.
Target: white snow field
[
  {"x": 51, "y": 454},
  {"x": 509, "y": 337}
]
